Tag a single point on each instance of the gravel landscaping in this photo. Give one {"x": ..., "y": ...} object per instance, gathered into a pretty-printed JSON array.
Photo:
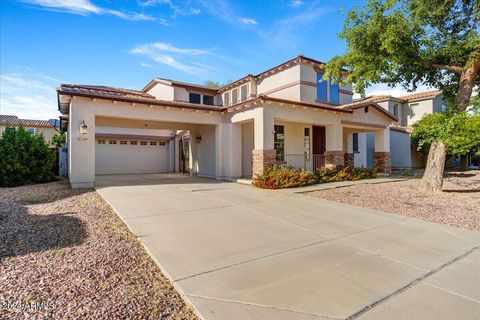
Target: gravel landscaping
[
  {"x": 458, "y": 205},
  {"x": 64, "y": 254}
]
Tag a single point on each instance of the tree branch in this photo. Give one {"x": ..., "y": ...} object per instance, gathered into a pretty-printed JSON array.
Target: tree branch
[{"x": 455, "y": 69}]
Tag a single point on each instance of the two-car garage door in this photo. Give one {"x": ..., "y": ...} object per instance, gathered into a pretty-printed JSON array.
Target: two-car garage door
[{"x": 115, "y": 156}]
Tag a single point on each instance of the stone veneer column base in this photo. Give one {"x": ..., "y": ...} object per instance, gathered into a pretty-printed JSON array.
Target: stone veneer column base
[
  {"x": 349, "y": 160},
  {"x": 382, "y": 162},
  {"x": 261, "y": 159},
  {"x": 334, "y": 159}
]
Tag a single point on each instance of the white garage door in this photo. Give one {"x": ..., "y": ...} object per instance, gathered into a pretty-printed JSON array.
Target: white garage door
[{"x": 130, "y": 156}]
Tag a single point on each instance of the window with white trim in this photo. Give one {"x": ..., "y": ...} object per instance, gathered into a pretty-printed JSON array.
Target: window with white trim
[
  {"x": 234, "y": 96},
  {"x": 226, "y": 99},
  {"x": 244, "y": 92},
  {"x": 32, "y": 131}
]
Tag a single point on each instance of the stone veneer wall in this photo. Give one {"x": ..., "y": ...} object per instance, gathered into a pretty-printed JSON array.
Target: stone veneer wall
[
  {"x": 382, "y": 162},
  {"x": 262, "y": 159},
  {"x": 334, "y": 159},
  {"x": 349, "y": 160}
]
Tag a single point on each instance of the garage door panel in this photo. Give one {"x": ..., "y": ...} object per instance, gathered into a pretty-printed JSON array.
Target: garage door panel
[{"x": 128, "y": 158}]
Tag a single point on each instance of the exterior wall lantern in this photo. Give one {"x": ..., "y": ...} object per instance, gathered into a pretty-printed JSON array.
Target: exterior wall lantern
[
  {"x": 198, "y": 139},
  {"x": 83, "y": 127}
]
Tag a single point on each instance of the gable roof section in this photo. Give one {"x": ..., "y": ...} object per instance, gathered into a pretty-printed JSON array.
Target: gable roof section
[
  {"x": 421, "y": 95},
  {"x": 8, "y": 120},
  {"x": 186, "y": 85},
  {"x": 367, "y": 103}
]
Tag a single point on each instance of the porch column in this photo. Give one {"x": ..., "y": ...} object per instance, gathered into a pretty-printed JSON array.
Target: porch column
[
  {"x": 263, "y": 153},
  {"x": 334, "y": 153},
  {"x": 81, "y": 146},
  {"x": 349, "y": 155},
  {"x": 193, "y": 156},
  {"x": 228, "y": 151},
  {"x": 382, "y": 155}
]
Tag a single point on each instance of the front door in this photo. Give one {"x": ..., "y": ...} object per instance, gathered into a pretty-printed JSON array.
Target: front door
[{"x": 318, "y": 146}]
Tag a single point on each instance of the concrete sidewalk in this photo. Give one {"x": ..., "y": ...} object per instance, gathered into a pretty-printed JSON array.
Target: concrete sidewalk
[{"x": 235, "y": 252}]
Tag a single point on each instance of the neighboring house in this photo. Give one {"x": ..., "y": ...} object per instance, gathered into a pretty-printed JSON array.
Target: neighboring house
[
  {"x": 287, "y": 115},
  {"x": 8, "y": 122}
]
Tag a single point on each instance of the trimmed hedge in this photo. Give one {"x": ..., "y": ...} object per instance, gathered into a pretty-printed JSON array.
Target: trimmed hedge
[
  {"x": 276, "y": 177},
  {"x": 24, "y": 158}
]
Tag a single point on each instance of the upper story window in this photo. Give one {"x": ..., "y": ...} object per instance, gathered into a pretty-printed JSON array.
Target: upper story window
[
  {"x": 244, "y": 93},
  {"x": 226, "y": 99},
  {"x": 194, "y": 98},
  {"x": 234, "y": 96},
  {"x": 208, "y": 100},
  {"x": 327, "y": 90},
  {"x": 395, "y": 109},
  {"x": 444, "y": 107},
  {"x": 413, "y": 106},
  {"x": 8, "y": 129},
  {"x": 32, "y": 131}
]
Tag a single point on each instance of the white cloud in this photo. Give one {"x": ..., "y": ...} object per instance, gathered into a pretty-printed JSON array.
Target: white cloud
[
  {"x": 296, "y": 3},
  {"x": 247, "y": 21},
  {"x": 178, "y": 8},
  {"x": 86, "y": 7},
  {"x": 28, "y": 95},
  {"x": 160, "y": 52}
]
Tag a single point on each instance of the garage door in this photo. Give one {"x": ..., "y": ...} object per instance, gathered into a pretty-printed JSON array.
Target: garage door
[{"x": 130, "y": 156}]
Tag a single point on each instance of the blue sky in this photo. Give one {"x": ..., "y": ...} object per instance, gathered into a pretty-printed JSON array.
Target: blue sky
[{"x": 127, "y": 43}]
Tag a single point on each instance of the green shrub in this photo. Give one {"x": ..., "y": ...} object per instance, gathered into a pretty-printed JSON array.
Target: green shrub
[
  {"x": 24, "y": 159},
  {"x": 276, "y": 177}
]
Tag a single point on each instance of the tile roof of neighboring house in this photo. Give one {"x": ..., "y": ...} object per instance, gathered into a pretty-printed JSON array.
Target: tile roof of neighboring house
[
  {"x": 421, "y": 95},
  {"x": 8, "y": 120},
  {"x": 368, "y": 103}
]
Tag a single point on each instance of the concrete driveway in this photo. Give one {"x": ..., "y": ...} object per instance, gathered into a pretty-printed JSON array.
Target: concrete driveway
[{"x": 236, "y": 252}]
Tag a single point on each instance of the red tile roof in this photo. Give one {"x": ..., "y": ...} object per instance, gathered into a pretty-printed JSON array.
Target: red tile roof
[
  {"x": 8, "y": 120},
  {"x": 421, "y": 95},
  {"x": 368, "y": 103}
]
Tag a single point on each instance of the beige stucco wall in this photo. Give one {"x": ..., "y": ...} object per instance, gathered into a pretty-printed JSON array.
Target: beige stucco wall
[
  {"x": 247, "y": 148},
  {"x": 418, "y": 109},
  {"x": 162, "y": 91}
]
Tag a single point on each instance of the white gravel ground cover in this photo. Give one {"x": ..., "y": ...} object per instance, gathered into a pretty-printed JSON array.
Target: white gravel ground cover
[
  {"x": 458, "y": 205},
  {"x": 64, "y": 254}
]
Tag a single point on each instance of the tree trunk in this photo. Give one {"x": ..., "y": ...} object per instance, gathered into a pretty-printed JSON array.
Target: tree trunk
[
  {"x": 467, "y": 82},
  {"x": 432, "y": 180}
]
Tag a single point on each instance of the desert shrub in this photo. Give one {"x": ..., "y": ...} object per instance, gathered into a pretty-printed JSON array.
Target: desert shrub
[
  {"x": 276, "y": 177},
  {"x": 345, "y": 174},
  {"x": 24, "y": 158}
]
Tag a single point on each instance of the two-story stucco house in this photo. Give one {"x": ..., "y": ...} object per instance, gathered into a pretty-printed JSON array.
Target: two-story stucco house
[
  {"x": 9, "y": 122},
  {"x": 287, "y": 114}
]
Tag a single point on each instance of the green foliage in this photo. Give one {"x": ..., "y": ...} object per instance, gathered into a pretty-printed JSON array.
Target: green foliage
[
  {"x": 459, "y": 131},
  {"x": 24, "y": 159},
  {"x": 276, "y": 177},
  {"x": 409, "y": 42},
  {"x": 59, "y": 139},
  {"x": 212, "y": 84}
]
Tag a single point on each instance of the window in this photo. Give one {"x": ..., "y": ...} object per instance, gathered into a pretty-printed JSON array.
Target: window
[
  {"x": 194, "y": 98},
  {"x": 321, "y": 87},
  {"x": 395, "y": 109},
  {"x": 32, "y": 131},
  {"x": 234, "y": 96},
  {"x": 112, "y": 141},
  {"x": 355, "y": 143},
  {"x": 244, "y": 93},
  {"x": 133, "y": 143},
  {"x": 444, "y": 107},
  {"x": 208, "y": 100},
  {"x": 334, "y": 95},
  {"x": 413, "y": 106},
  {"x": 123, "y": 142},
  {"x": 101, "y": 141},
  {"x": 306, "y": 143},
  {"x": 226, "y": 99},
  {"x": 153, "y": 143},
  {"x": 143, "y": 143},
  {"x": 279, "y": 142},
  {"x": 161, "y": 143},
  {"x": 9, "y": 129}
]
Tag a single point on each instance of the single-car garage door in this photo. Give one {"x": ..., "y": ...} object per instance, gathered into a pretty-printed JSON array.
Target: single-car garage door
[{"x": 113, "y": 156}]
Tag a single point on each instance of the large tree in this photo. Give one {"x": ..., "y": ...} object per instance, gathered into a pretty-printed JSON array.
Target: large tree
[{"x": 410, "y": 43}]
